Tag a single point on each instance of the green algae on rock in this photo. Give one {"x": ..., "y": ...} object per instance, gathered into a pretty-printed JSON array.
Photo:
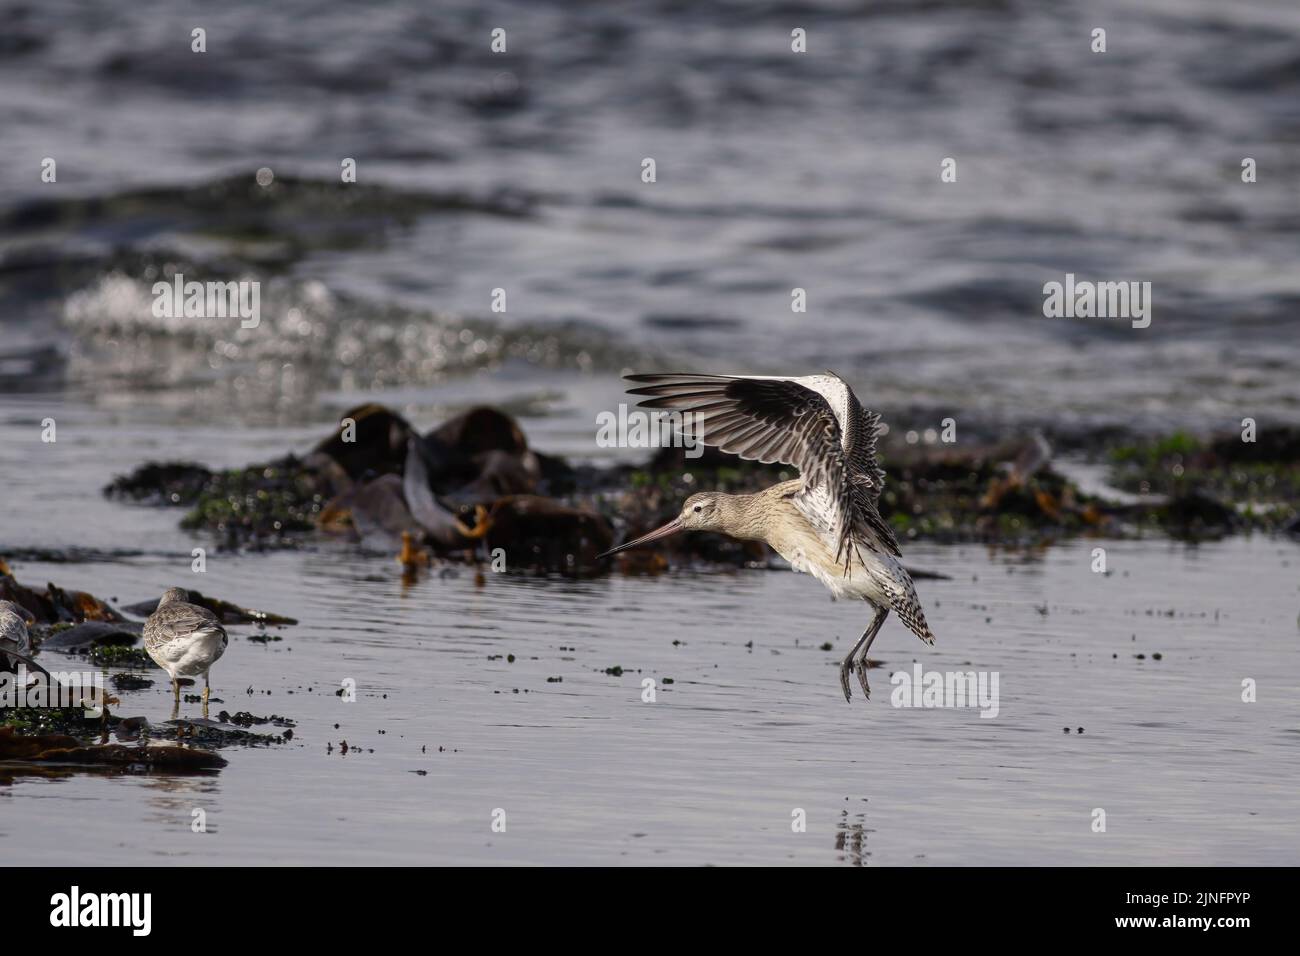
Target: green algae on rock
[
  {"x": 472, "y": 484},
  {"x": 1194, "y": 487},
  {"x": 263, "y": 503},
  {"x": 469, "y": 483}
]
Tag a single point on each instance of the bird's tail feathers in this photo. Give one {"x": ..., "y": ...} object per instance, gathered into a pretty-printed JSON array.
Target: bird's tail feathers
[{"x": 910, "y": 613}]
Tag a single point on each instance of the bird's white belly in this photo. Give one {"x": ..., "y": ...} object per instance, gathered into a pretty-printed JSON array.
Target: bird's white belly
[
  {"x": 860, "y": 584},
  {"x": 191, "y": 656}
]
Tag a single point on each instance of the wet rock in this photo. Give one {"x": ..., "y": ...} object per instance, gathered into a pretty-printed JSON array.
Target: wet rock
[
  {"x": 471, "y": 472},
  {"x": 376, "y": 510},
  {"x": 538, "y": 532},
  {"x": 130, "y": 728},
  {"x": 330, "y": 477},
  {"x": 170, "y": 483},
  {"x": 1197, "y": 514},
  {"x": 1201, "y": 481},
  {"x": 130, "y": 682},
  {"x": 1005, "y": 493},
  {"x": 79, "y": 605},
  {"x": 222, "y": 732},
  {"x": 262, "y": 504},
  {"x": 244, "y": 719},
  {"x": 55, "y": 605},
  {"x": 92, "y": 634},
  {"x": 500, "y": 473},
  {"x": 479, "y": 430},
  {"x": 118, "y": 655},
  {"x": 444, "y": 489},
  {"x": 479, "y": 455},
  {"x": 61, "y": 748},
  {"x": 1272, "y": 445},
  {"x": 558, "y": 477},
  {"x": 378, "y": 444},
  {"x": 226, "y": 612}
]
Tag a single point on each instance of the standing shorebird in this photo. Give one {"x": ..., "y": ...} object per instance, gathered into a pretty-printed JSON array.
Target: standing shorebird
[
  {"x": 184, "y": 639},
  {"x": 825, "y": 522},
  {"x": 15, "y": 642}
]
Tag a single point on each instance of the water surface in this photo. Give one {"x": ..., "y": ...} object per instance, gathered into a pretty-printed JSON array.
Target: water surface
[{"x": 775, "y": 171}]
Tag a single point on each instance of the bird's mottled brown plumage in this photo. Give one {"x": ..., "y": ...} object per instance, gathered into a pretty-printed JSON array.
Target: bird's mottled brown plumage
[
  {"x": 184, "y": 639},
  {"x": 825, "y": 523},
  {"x": 13, "y": 630},
  {"x": 177, "y": 619},
  {"x": 784, "y": 420}
]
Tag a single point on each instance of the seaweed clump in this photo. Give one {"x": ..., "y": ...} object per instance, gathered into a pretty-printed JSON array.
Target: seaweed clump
[
  {"x": 468, "y": 486},
  {"x": 261, "y": 505},
  {"x": 1207, "y": 487},
  {"x": 471, "y": 487}
]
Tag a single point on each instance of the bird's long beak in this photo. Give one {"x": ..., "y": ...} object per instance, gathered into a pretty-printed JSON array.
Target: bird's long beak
[{"x": 670, "y": 528}]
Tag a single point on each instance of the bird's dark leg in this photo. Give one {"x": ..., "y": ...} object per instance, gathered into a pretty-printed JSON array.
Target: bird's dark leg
[
  {"x": 176, "y": 689},
  {"x": 861, "y": 667},
  {"x": 864, "y": 642}
]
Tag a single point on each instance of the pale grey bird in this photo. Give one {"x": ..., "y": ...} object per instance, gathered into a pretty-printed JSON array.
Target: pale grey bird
[
  {"x": 826, "y": 522},
  {"x": 184, "y": 639},
  {"x": 14, "y": 638}
]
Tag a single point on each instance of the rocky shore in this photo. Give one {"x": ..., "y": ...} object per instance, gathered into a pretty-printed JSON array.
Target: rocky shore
[{"x": 472, "y": 486}]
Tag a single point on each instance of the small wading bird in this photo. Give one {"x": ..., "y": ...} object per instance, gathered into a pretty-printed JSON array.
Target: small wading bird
[
  {"x": 15, "y": 642},
  {"x": 184, "y": 639},
  {"x": 825, "y": 522}
]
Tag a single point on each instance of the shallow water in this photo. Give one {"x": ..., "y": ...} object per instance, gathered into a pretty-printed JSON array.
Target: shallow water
[
  {"x": 711, "y": 771},
  {"x": 775, "y": 172}
]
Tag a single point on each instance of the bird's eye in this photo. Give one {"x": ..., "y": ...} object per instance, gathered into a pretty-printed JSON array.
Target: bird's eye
[{"x": 699, "y": 508}]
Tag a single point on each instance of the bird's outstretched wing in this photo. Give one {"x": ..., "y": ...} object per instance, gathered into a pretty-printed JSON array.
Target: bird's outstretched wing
[
  {"x": 814, "y": 423},
  {"x": 860, "y": 447}
]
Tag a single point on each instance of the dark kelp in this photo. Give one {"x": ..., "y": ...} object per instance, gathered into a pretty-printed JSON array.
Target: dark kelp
[
  {"x": 63, "y": 749},
  {"x": 472, "y": 485}
]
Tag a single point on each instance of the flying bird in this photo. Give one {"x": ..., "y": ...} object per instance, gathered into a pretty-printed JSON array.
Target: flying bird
[
  {"x": 825, "y": 522},
  {"x": 184, "y": 639}
]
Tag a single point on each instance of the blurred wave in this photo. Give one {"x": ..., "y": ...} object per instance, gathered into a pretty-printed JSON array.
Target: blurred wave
[{"x": 521, "y": 171}]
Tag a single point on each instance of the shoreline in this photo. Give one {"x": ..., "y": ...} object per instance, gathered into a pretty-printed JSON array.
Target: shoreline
[{"x": 488, "y": 488}]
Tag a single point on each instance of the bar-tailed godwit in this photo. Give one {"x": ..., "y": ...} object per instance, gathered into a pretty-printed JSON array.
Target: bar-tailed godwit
[{"x": 825, "y": 522}]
